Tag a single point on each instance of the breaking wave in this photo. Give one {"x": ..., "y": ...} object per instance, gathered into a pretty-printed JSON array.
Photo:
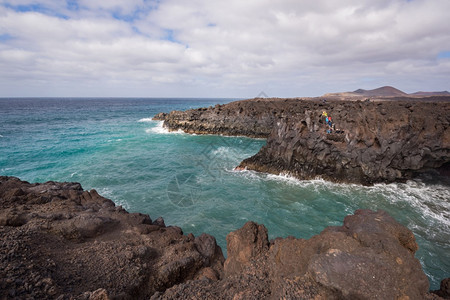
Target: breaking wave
[
  {"x": 160, "y": 129},
  {"x": 145, "y": 120}
]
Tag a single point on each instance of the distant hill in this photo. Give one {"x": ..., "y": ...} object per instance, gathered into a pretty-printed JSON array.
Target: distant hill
[
  {"x": 385, "y": 91},
  {"x": 443, "y": 93}
]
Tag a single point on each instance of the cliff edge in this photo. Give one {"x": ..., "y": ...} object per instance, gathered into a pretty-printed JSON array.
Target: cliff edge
[
  {"x": 383, "y": 140},
  {"x": 251, "y": 118}
]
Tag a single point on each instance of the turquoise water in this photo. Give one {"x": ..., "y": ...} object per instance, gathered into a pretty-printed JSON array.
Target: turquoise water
[{"x": 113, "y": 146}]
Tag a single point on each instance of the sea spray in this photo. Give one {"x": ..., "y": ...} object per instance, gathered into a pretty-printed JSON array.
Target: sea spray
[
  {"x": 160, "y": 129},
  {"x": 145, "y": 120}
]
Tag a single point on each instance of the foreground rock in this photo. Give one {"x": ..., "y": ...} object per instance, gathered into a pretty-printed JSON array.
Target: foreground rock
[
  {"x": 370, "y": 257},
  {"x": 58, "y": 241},
  {"x": 387, "y": 140},
  {"x": 444, "y": 290}
]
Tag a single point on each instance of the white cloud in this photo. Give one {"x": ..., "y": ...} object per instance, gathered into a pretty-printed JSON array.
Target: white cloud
[{"x": 216, "y": 48}]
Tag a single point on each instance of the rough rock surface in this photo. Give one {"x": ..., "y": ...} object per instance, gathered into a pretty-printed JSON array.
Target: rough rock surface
[
  {"x": 60, "y": 242},
  {"x": 376, "y": 141},
  {"x": 370, "y": 257},
  {"x": 252, "y": 118},
  {"x": 444, "y": 290}
]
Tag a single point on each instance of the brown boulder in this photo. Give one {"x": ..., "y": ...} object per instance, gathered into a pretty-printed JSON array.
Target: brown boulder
[
  {"x": 243, "y": 245},
  {"x": 370, "y": 257}
]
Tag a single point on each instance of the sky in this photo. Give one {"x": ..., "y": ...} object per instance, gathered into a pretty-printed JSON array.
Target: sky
[{"x": 211, "y": 48}]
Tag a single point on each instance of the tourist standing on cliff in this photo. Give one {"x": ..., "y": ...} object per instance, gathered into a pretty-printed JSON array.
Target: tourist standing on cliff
[{"x": 328, "y": 122}]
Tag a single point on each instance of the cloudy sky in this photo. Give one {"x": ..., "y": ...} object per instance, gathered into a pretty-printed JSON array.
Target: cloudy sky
[{"x": 233, "y": 48}]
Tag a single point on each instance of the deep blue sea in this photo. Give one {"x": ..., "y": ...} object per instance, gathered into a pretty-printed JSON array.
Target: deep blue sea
[{"x": 113, "y": 146}]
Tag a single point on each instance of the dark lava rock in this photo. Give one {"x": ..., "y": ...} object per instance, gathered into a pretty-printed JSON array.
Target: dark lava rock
[
  {"x": 444, "y": 290},
  {"x": 386, "y": 140},
  {"x": 254, "y": 118},
  {"x": 370, "y": 257},
  {"x": 60, "y": 242},
  {"x": 378, "y": 142},
  {"x": 242, "y": 245}
]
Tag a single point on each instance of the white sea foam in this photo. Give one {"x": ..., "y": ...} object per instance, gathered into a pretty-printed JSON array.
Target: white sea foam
[
  {"x": 227, "y": 153},
  {"x": 283, "y": 177},
  {"x": 109, "y": 194},
  {"x": 313, "y": 183},
  {"x": 116, "y": 140},
  {"x": 159, "y": 129},
  {"x": 145, "y": 120},
  {"x": 249, "y": 175},
  {"x": 222, "y": 151},
  {"x": 433, "y": 201},
  {"x": 1, "y": 136},
  {"x": 105, "y": 192}
]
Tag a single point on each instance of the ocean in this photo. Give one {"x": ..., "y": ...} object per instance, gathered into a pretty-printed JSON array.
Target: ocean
[{"x": 113, "y": 146}]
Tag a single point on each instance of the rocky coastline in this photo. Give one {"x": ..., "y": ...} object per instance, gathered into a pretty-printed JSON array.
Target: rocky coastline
[
  {"x": 59, "y": 241},
  {"x": 240, "y": 118},
  {"x": 383, "y": 139}
]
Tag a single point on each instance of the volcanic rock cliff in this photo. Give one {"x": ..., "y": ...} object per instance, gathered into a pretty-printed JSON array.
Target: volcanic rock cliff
[
  {"x": 254, "y": 118},
  {"x": 61, "y": 242},
  {"x": 381, "y": 140}
]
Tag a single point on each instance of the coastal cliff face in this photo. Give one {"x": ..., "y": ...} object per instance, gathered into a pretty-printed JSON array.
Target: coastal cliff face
[
  {"x": 61, "y": 242},
  {"x": 373, "y": 141},
  {"x": 254, "y": 118},
  {"x": 377, "y": 142}
]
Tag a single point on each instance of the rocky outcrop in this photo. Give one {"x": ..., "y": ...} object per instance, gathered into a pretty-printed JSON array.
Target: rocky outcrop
[
  {"x": 370, "y": 257},
  {"x": 252, "y": 118},
  {"x": 60, "y": 242},
  {"x": 444, "y": 290},
  {"x": 373, "y": 142},
  {"x": 386, "y": 140}
]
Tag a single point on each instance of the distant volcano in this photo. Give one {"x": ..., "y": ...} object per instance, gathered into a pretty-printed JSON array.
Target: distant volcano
[
  {"x": 385, "y": 91},
  {"x": 443, "y": 93}
]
